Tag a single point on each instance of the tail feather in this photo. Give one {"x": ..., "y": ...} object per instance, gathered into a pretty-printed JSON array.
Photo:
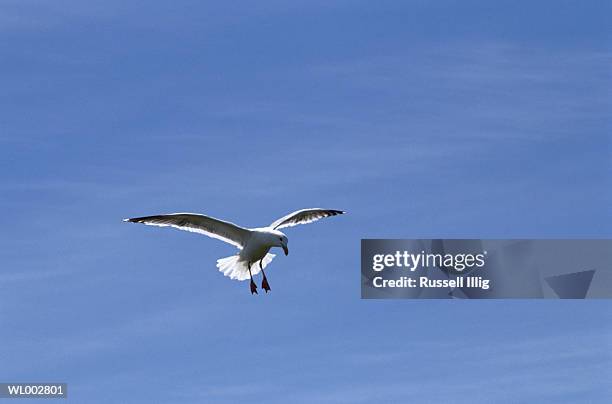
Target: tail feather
[{"x": 234, "y": 268}]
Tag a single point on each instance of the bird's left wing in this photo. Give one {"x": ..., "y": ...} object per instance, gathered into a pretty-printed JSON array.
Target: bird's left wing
[
  {"x": 209, "y": 226},
  {"x": 304, "y": 216}
]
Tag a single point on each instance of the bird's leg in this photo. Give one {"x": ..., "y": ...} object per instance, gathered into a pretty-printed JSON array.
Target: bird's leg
[
  {"x": 253, "y": 286},
  {"x": 264, "y": 281}
]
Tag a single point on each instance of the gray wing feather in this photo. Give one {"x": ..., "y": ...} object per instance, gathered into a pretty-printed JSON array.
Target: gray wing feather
[
  {"x": 209, "y": 226},
  {"x": 304, "y": 216}
]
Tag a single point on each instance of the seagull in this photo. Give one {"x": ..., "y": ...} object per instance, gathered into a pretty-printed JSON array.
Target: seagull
[{"x": 253, "y": 244}]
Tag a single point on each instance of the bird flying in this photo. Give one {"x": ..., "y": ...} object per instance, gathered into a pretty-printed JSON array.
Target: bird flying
[{"x": 253, "y": 244}]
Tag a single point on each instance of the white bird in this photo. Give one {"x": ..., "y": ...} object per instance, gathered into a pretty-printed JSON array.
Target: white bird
[{"x": 253, "y": 244}]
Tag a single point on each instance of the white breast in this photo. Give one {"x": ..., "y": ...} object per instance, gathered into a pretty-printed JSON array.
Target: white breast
[{"x": 256, "y": 248}]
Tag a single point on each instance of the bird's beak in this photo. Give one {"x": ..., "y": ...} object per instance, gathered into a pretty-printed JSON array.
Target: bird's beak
[{"x": 285, "y": 249}]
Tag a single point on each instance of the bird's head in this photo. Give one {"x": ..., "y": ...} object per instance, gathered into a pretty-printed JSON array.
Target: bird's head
[{"x": 280, "y": 240}]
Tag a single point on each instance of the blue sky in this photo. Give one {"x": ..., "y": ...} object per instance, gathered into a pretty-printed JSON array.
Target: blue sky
[{"x": 453, "y": 119}]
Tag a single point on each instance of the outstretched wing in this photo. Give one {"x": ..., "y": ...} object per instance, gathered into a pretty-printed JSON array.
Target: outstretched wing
[
  {"x": 304, "y": 216},
  {"x": 209, "y": 226}
]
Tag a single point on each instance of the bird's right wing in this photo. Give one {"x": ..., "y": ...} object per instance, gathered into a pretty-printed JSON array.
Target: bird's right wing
[{"x": 209, "y": 226}]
